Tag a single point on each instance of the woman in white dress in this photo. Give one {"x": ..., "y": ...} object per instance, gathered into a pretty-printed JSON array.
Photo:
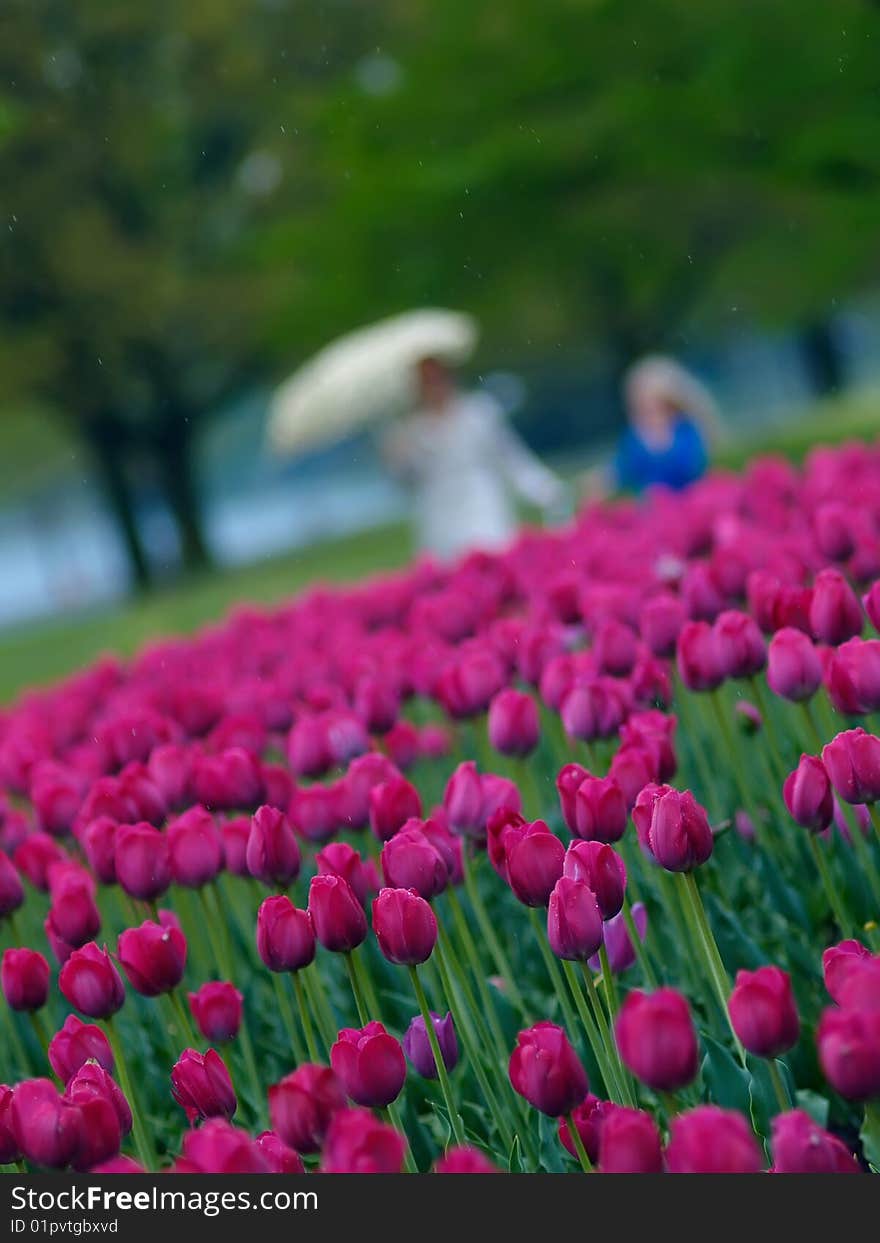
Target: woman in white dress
[{"x": 466, "y": 466}]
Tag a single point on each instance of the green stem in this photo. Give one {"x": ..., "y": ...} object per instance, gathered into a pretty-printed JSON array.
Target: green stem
[
  {"x": 36, "y": 1022},
  {"x": 578, "y": 1144},
  {"x": 611, "y": 999},
  {"x": 463, "y": 1026},
  {"x": 286, "y": 1013},
  {"x": 606, "y": 1070},
  {"x": 445, "y": 1086},
  {"x": 393, "y": 1115},
  {"x": 843, "y": 921},
  {"x": 143, "y": 1148},
  {"x": 553, "y": 971},
  {"x": 304, "y": 1017},
  {"x": 706, "y": 943},
  {"x": 489, "y": 1012},
  {"x": 619, "y": 1071},
  {"x": 783, "y": 1098},
  {"x": 323, "y": 1012},
  {"x": 182, "y": 1017},
  {"x": 488, "y": 931},
  {"x": 360, "y": 1004},
  {"x": 639, "y": 949}
]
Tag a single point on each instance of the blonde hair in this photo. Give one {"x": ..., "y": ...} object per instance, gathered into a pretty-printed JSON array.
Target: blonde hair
[{"x": 669, "y": 381}]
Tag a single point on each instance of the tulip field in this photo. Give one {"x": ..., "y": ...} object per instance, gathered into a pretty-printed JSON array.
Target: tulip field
[{"x": 564, "y": 859}]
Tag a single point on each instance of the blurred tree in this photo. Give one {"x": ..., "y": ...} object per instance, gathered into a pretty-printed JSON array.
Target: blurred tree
[
  {"x": 195, "y": 193},
  {"x": 138, "y": 146},
  {"x": 602, "y": 176}
]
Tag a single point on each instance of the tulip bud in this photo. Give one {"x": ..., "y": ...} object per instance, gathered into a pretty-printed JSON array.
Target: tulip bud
[
  {"x": 588, "y": 1117},
  {"x": 629, "y": 1142},
  {"x": 602, "y": 869},
  {"x": 409, "y": 861},
  {"x": 280, "y": 1158},
  {"x": 574, "y": 922},
  {"x": 739, "y": 645},
  {"x": 217, "y": 1147},
  {"x": 807, "y": 794},
  {"x": 308, "y": 747},
  {"x": 661, "y": 619},
  {"x": 234, "y": 836},
  {"x": 105, "y": 1116},
  {"x": 698, "y": 657},
  {"x": 25, "y": 979},
  {"x": 835, "y": 612},
  {"x": 195, "y": 847},
  {"x": 337, "y": 917},
  {"x": 90, "y": 982},
  {"x": 217, "y": 1010},
  {"x": 600, "y": 810},
  {"x": 545, "y": 1069},
  {"x": 46, "y": 1127},
  {"x": 674, "y": 827},
  {"x": 417, "y": 1044},
  {"x": 700, "y": 593},
  {"x": 709, "y": 1140},
  {"x": 800, "y": 1146},
  {"x": 231, "y": 780},
  {"x": 143, "y": 861},
  {"x": 98, "y": 840},
  {"x": 369, "y": 1064},
  {"x": 357, "y": 1143},
  {"x": 272, "y": 851},
  {"x": 73, "y": 914},
  {"x": 852, "y": 676},
  {"x": 656, "y": 1039},
  {"x": 392, "y": 803},
  {"x": 346, "y": 736},
  {"x": 568, "y": 782},
  {"x": 405, "y": 926},
  {"x": 794, "y": 670},
  {"x": 75, "y": 1044},
  {"x": 763, "y": 1011},
  {"x": 340, "y": 859},
  {"x": 152, "y": 957},
  {"x": 871, "y": 602},
  {"x": 463, "y": 800},
  {"x": 852, "y": 761},
  {"x": 447, "y": 845},
  {"x": 464, "y": 1160},
  {"x": 35, "y": 856},
  {"x": 838, "y": 961},
  {"x": 201, "y": 1085},
  {"x": 302, "y": 1106},
  {"x": 11, "y": 890},
  {"x": 363, "y": 773},
  {"x": 614, "y": 647},
  {"x": 9, "y": 1149},
  {"x": 534, "y": 864},
  {"x": 849, "y": 1051},
  {"x": 514, "y": 727},
  {"x": 285, "y": 936}
]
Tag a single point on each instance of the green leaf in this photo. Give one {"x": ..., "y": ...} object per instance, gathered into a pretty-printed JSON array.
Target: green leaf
[
  {"x": 514, "y": 1160},
  {"x": 726, "y": 1081},
  {"x": 815, "y": 1105},
  {"x": 870, "y": 1136},
  {"x": 554, "y": 1158}
]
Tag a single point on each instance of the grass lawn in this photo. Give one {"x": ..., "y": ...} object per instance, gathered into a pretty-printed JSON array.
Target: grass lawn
[{"x": 39, "y": 653}]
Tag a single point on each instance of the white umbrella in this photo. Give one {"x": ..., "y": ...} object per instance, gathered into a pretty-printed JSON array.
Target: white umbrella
[{"x": 364, "y": 376}]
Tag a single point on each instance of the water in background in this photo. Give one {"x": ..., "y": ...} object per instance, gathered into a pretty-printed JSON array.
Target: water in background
[{"x": 60, "y": 552}]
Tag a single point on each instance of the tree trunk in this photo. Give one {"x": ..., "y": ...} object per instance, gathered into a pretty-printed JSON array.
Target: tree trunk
[
  {"x": 173, "y": 447},
  {"x": 822, "y": 358},
  {"x": 108, "y": 452}
]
